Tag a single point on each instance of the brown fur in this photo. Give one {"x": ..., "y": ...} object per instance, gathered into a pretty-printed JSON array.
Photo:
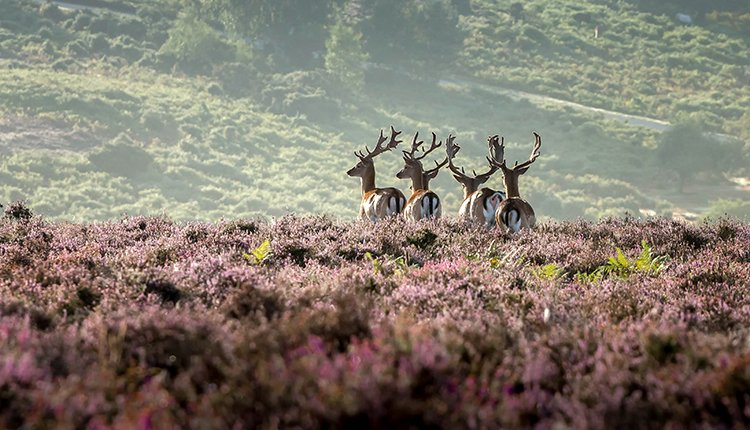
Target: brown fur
[
  {"x": 527, "y": 217},
  {"x": 375, "y": 203},
  {"x": 474, "y": 207},
  {"x": 414, "y": 209}
]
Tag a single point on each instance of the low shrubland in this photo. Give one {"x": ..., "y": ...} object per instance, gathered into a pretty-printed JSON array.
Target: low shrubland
[{"x": 314, "y": 322}]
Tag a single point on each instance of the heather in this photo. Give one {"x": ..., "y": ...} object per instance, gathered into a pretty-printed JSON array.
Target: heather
[{"x": 314, "y": 322}]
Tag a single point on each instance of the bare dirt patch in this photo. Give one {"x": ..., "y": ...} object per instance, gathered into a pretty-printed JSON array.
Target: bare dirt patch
[{"x": 19, "y": 133}]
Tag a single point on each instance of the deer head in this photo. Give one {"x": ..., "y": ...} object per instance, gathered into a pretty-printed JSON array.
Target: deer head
[
  {"x": 365, "y": 168},
  {"x": 471, "y": 183},
  {"x": 413, "y": 164},
  {"x": 511, "y": 174}
]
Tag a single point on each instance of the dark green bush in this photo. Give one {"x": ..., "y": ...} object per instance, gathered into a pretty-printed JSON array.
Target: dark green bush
[
  {"x": 45, "y": 33},
  {"x": 156, "y": 121},
  {"x": 77, "y": 47},
  {"x": 214, "y": 88},
  {"x": 99, "y": 43},
  {"x": 121, "y": 157},
  {"x": 237, "y": 79},
  {"x": 62, "y": 64},
  {"x": 52, "y": 12}
]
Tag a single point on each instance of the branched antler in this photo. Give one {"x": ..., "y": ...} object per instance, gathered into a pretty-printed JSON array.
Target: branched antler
[
  {"x": 534, "y": 153},
  {"x": 460, "y": 175},
  {"x": 451, "y": 149},
  {"x": 498, "y": 154},
  {"x": 379, "y": 149},
  {"x": 433, "y": 147}
]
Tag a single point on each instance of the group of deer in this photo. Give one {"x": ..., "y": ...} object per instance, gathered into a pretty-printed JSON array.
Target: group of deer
[{"x": 482, "y": 205}]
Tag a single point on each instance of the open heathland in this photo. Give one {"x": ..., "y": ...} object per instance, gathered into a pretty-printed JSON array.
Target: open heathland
[{"x": 312, "y": 322}]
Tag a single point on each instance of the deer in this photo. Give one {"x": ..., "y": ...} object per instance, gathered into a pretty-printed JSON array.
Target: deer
[
  {"x": 479, "y": 204},
  {"x": 515, "y": 213},
  {"x": 377, "y": 203},
  {"x": 423, "y": 203}
]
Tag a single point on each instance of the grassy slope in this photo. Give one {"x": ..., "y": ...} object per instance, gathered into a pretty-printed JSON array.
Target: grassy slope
[
  {"x": 216, "y": 156},
  {"x": 643, "y": 63}
]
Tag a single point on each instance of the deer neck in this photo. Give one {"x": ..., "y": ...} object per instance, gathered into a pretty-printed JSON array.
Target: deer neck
[
  {"x": 511, "y": 185},
  {"x": 418, "y": 180},
  {"x": 368, "y": 180},
  {"x": 469, "y": 186},
  {"x": 425, "y": 181}
]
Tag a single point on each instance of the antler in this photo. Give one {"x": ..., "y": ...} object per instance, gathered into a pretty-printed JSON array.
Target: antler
[
  {"x": 379, "y": 149},
  {"x": 534, "y": 153},
  {"x": 433, "y": 147},
  {"x": 414, "y": 146},
  {"x": 496, "y": 145},
  {"x": 452, "y": 149},
  {"x": 498, "y": 154},
  {"x": 437, "y": 167}
]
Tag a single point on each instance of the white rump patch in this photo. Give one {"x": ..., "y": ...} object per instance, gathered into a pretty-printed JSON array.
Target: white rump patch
[
  {"x": 392, "y": 207},
  {"x": 490, "y": 207},
  {"x": 514, "y": 221}
]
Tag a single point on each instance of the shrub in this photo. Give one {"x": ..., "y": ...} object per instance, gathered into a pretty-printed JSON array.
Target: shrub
[
  {"x": 77, "y": 47},
  {"x": 99, "y": 43},
  {"x": 344, "y": 57},
  {"x": 18, "y": 211},
  {"x": 238, "y": 79},
  {"x": 196, "y": 45},
  {"x": 52, "y": 12},
  {"x": 214, "y": 89},
  {"x": 45, "y": 33},
  {"x": 121, "y": 157}
]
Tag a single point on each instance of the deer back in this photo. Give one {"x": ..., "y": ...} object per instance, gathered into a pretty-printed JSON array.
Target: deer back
[
  {"x": 514, "y": 213},
  {"x": 423, "y": 204}
]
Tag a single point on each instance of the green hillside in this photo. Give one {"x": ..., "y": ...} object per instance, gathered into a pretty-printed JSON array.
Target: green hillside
[
  {"x": 641, "y": 63},
  {"x": 179, "y": 109}
]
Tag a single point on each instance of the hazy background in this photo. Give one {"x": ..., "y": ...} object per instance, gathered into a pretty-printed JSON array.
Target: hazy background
[{"x": 235, "y": 108}]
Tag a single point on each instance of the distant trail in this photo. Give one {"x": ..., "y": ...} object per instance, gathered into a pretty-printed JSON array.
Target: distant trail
[
  {"x": 519, "y": 95},
  {"x": 642, "y": 121}
]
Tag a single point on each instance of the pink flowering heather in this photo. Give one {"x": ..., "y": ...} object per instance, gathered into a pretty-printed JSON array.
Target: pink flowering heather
[{"x": 313, "y": 323}]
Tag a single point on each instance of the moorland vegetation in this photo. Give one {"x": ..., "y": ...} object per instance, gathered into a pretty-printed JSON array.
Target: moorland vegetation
[
  {"x": 203, "y": 109},
  {"x": 314, "y": 322}
]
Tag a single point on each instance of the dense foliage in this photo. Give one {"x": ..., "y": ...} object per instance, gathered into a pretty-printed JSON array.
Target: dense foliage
[{"x": 318, "y": 323}]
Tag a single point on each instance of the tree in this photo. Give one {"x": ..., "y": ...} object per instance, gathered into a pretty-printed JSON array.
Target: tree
[
  {"x": 344, "y": 56},
  {"x": 295, "y": 26},
  {"x": 422, "y": 32},
  {"x": 196, "y": 45},
  {"x": 687, "y": 149}
]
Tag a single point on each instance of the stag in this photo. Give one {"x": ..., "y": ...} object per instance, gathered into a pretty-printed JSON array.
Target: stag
[
  {"x": 515, "y": 213},
  {"x": 423, "y": 203},
  {"x": 377, "y": 203},
  {"x": 479, "y": 205}
]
